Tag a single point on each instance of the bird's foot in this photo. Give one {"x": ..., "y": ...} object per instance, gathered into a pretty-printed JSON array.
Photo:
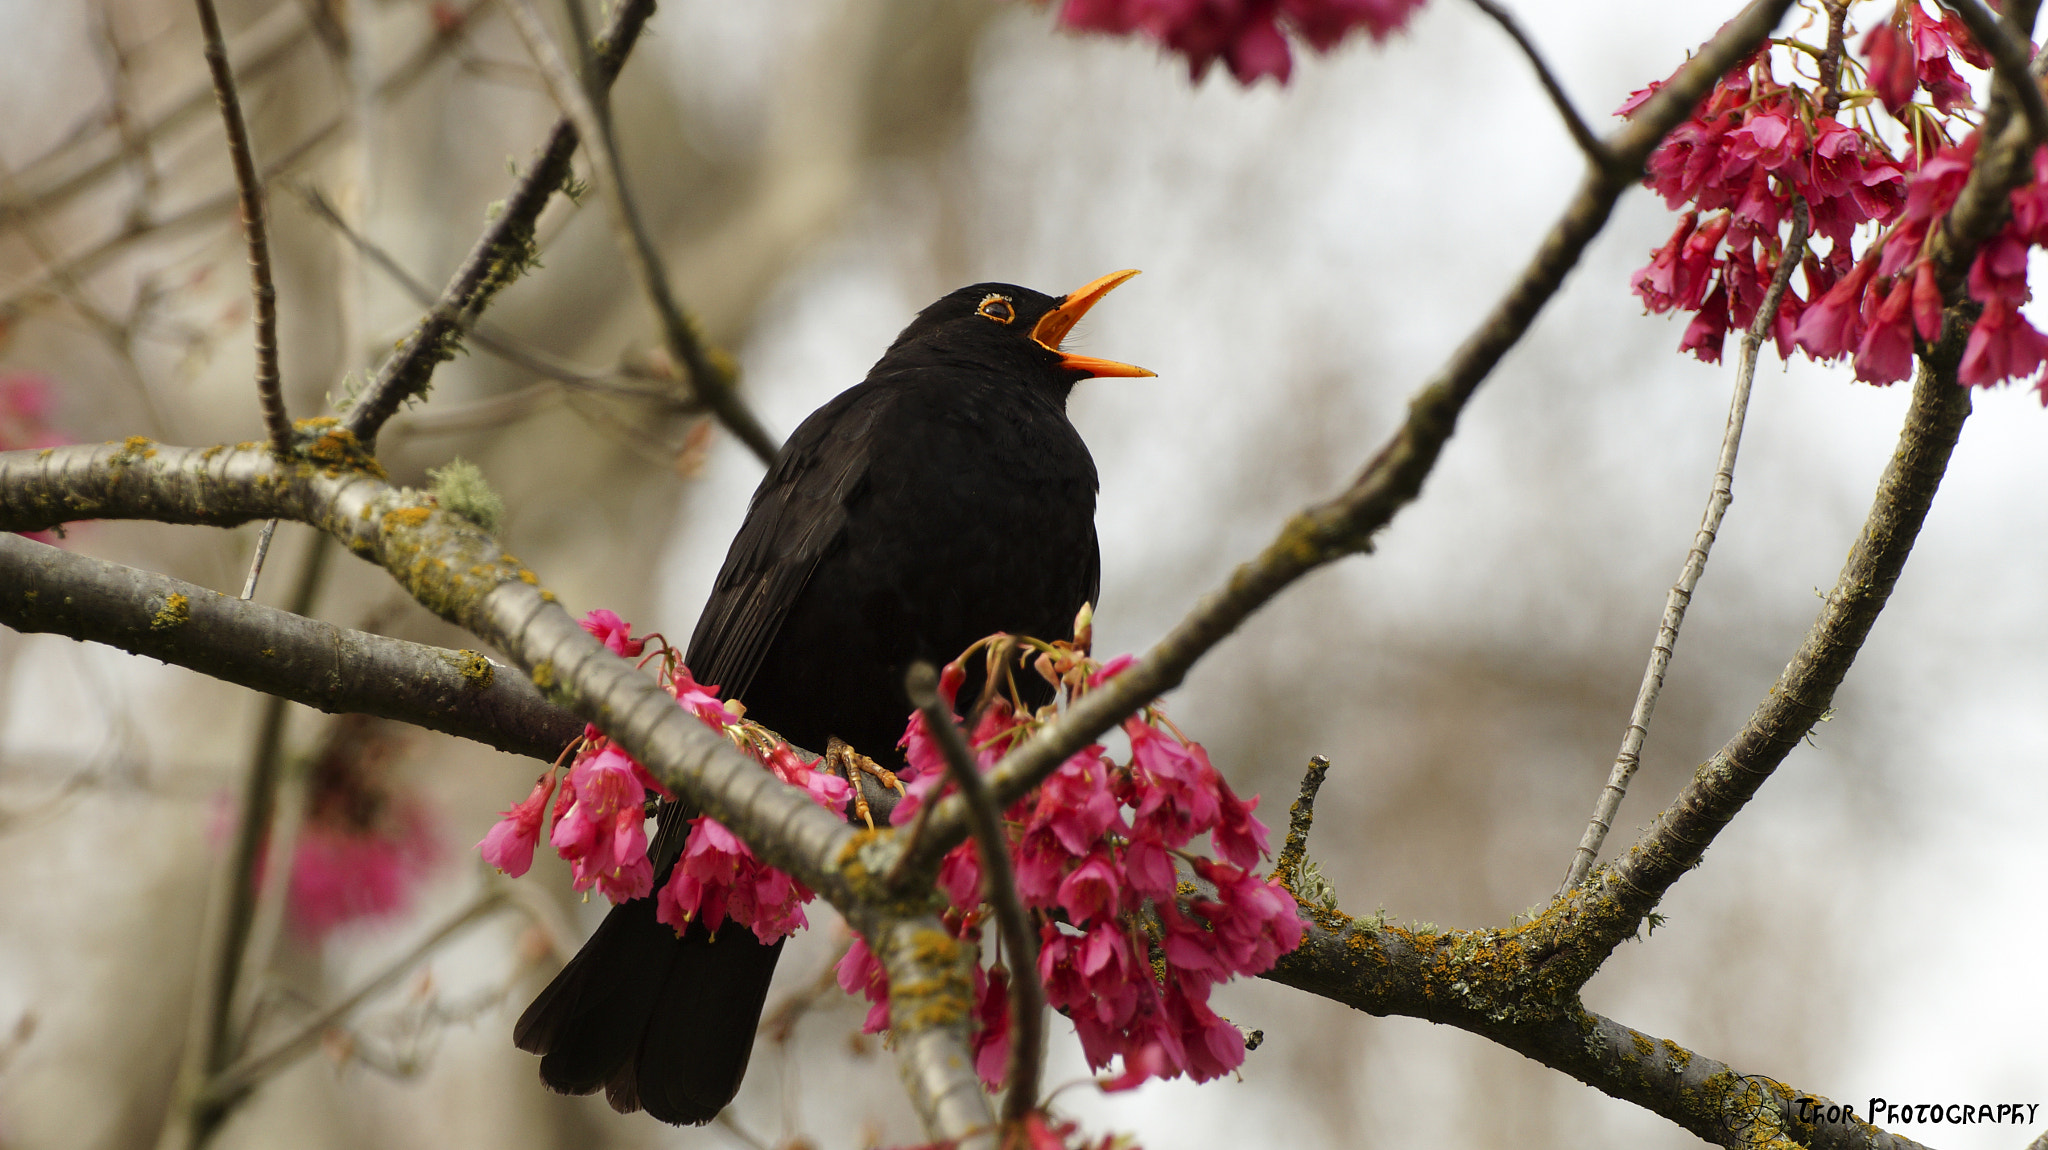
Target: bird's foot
[{"x": 844, "y": 759}]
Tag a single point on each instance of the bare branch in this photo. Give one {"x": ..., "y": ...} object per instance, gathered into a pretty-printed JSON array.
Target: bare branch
[
  {"x": 332, "y": 669},
  {"x": 999, "y": 886},
  {"x": 1345, "y": 524},
  {"x": 1806, "y": 688},
  {"x": 1596, "y": 152},
  {"x": 40, "y": 189},
  {"x": 501, "y": 254},
  {"x": 269, "y": 389},
  {"x": 490, "y": 338},
  {"x": 1495, "y": 984},
  {"x": 711, "y": 379},
  {"x": 263, "y": 539},
  {"x": 1300, "y": 818},
  {"x": 1719, "y": 497},
  {"x": 399, "y": 80}
]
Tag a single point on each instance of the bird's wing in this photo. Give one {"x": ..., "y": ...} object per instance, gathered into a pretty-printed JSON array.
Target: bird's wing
[{"x": 797, "y": 517}]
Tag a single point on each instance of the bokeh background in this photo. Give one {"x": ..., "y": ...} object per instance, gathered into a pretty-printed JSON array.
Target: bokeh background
[{"x": 819, "y": 169}]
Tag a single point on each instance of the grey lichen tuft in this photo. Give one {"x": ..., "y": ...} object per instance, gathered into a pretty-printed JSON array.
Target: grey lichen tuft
[
  {"x": 460, "y": 487},
  {"x": 1312, "y": 888}
]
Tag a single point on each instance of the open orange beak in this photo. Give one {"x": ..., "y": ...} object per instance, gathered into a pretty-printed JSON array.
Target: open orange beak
[{"x": 1055, "y": 324}]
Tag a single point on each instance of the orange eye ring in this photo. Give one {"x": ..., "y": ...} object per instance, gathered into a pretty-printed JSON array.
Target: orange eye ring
[{"x": 997, "y": 307}]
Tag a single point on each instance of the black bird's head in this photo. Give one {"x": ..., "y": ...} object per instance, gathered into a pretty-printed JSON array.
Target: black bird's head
[{"x": 1010, "y": 330}]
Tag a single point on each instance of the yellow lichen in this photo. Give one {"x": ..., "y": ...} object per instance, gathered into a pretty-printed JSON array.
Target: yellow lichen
[
  {"x": 176, "y": 612},
  {"x": 476, "y": 670},
  {"x": 405, "y": 517}
]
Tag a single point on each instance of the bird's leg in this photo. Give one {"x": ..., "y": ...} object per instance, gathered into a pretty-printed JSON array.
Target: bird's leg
[{"x": 851, "y": 763}]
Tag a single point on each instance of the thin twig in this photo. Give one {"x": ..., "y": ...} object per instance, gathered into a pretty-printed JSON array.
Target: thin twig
[
  {"x": 488, "y": 337},
  {"x": 1722, "y": 494},
  {"x": 499, "y": 256},
  {"x": 711, "y": 380},
  {"x": 1596, "y": 152},
  {"x": 263, "y": 538},
  {"x": 2008, "y": 59},
  {"x": 269, "y": 42},
  {"x": 1301, "y": 817},
  {"x": 269, "y": 389},
  {"x": 236, "y": 1080},
  {"x": 999, "y": 886},
  {"x": 1829, "y": 75}
]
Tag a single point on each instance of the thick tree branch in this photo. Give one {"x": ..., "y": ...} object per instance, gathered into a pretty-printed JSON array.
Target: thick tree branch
[
  {"x": 1500, "y": 985},
  {"x": 500, "y": 256},
  {"x": 458, "y": 572},
  {"x": 1345, "y": 524},
  {"x": 931, "y": 1004},
  {"x": 329, "y": 668}
]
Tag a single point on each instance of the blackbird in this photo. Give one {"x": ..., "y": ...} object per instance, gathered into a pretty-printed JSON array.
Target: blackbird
[{"x": 941, "y": 500}]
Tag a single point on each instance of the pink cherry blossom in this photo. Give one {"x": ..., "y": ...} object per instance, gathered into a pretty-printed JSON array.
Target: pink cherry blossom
[
  {"x": 342, "y": 873},
  {"x": 509, "y": 843},
  {"x": 1885, "y": 353},
  {"x": 2002, "y": 346},
  {"x": 612, "y": 631},
  {"x": 1894, "y": 69}
]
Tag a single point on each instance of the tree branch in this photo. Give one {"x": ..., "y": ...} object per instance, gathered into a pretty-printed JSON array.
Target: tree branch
[
  {"x": 1345, "y": 524},
  {"x": 1626, "y": 890},
  {"x": 461, "y": 574},
  {"x": 500, "y": 256},
  {"x": 269, "y": 389},
  {"x": 398, "y": 80},
  {"x": 329, "y": 668},
  {"x": 999, "y": 886},
  {"x": 214, "y": 1041},
  {"x": 1718, "y": 499},
  {"x": 237, "y": 1079},
  {"x": 1595, "y": 151},
  {"x": 1500, "y": 985},
  {"x": 711, "y": 379},
  {"x": 492, "y": 339}
]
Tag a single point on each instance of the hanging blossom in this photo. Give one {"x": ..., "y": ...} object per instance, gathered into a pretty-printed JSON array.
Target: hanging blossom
[
  {"x": 1754, "y": 143},
  {"x": 1100, "y": 851},
  {"x": 598, "y": 813},
  {"x": 1251, "y": 37}
]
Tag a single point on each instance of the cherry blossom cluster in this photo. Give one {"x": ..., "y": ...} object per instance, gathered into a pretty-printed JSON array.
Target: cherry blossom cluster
[
  {"x": 599, "y": 816},
  {"x": 367, "y": 841},
  {"x": 1098, "y": 852},
  {"x": 1756, "y": 143},
  {"x": 1249, "y": 36}
]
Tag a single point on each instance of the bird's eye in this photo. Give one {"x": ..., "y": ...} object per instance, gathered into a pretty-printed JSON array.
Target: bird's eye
[{"x": 997, "y": 308}]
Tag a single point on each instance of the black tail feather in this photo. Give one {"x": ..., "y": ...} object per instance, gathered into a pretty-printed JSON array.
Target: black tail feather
[{"x": 653, "y": 1019}]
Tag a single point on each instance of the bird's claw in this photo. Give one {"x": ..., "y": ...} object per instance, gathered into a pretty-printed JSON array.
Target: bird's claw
[{"x": 842, "y": 758}]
